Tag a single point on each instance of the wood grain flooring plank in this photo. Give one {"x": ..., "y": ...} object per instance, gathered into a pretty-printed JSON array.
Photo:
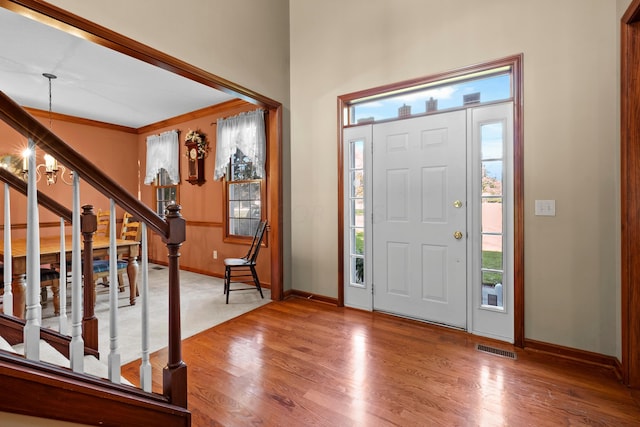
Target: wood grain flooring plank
[{"x": 305, "y": 363}]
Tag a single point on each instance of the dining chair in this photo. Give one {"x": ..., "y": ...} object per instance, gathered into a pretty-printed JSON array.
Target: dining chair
[
  {"x": 245, "y": 268},
  {"x": 103, "y": 223},
  {"x": 102, "y": 229},
  {"x": 101, "y": 272},
  {"x": 101, "y": 266},
  {"x": 131, "y": 229},
  {"x": 49, "y": 276}
]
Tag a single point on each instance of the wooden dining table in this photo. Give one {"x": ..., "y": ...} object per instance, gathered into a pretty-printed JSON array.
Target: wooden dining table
[{"x": 50, "y": 254}]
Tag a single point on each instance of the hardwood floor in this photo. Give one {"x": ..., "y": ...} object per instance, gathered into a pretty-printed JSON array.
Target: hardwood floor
[{"x": 304, "y": 363}]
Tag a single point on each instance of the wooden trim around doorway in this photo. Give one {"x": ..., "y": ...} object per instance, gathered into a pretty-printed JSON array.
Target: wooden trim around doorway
[
  {"x": 630, "y": 193},
  {"x": 515, "y": 62},
  {"x": 65, "y": 21}
]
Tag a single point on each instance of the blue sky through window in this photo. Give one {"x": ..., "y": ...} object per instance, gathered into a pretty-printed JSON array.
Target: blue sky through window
[{"x": 493, "y": 88}]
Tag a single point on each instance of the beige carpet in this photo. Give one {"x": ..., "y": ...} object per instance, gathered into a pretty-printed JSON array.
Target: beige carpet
[{"x": 202, "y": 305}]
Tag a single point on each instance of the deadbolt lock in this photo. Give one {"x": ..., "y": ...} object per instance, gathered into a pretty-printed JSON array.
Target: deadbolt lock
[
  {"x": 458, "y": 235},
  {"x": 457, "y": 204}
]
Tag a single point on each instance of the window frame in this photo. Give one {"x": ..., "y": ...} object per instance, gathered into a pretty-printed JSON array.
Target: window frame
[
  {"x": 155, "y": 186},
  {"x": 516, "y": 64},
  {"x": 234, "y": 238}
]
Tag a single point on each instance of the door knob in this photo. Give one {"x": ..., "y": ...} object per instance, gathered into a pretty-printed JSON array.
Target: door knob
[
  {"x": 458, "y": 235},
  {"x": 457, "y": 204}
]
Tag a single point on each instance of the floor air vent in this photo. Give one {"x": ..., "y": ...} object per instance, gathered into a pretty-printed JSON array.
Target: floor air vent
[
  {"x": 157, "y": 268},
  {"x": 496, "y": 351}
]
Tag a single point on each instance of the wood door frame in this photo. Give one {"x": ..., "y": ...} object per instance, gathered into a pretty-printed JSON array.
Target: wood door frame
[
  {"x": 515, "y": 62},
  {"x": 630, "y": 193},
  {"x": 68, "y": 22}
]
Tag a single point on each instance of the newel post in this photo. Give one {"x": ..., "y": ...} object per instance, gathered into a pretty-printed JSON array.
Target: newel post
[
  {"x": 174, "y": 376},
  {"x": 89, "y": 224}
]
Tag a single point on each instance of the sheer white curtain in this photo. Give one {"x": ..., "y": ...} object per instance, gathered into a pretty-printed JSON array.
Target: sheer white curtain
[
  {"x": 245, "y": 132},
  {"x": 163, "y": 152}
]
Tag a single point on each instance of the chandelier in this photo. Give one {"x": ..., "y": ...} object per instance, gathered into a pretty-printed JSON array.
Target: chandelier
[{"x": 50, "y": 166}]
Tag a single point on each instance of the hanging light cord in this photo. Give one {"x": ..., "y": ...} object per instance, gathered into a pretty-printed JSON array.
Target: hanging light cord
[{"x": 50, "y": 77}]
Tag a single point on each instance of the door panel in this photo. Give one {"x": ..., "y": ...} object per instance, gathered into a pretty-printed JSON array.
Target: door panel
[
  {"x": 434, "y": 285},
  {"x": 398, "y": 269},
  {"x": 419, "y": 171}
]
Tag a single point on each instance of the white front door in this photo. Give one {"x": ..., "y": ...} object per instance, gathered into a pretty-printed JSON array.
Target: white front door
[{"x": 419, "y": 218}]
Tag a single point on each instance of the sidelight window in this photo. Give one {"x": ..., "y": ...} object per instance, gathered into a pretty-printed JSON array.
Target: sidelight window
[
  {"x": 356, "y": 212},
  {"x": 492, "y": 213}
]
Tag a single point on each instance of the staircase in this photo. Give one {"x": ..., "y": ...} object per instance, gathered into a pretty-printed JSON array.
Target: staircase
[
  {"x": 49, "y": 374},
  {"x": 48, "y": 354}
]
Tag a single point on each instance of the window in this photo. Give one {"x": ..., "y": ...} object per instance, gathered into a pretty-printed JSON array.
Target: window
[
  {"x": 163, "y": 165},
  {"x": 165, "y": 193},
  {"x": 483, "y": 87},
  {"x": 244, "y": 196},
  {"x": 240, "y": 157},
  {"x": 162, "y": 153},
  {"x": 492, "y": 212},
  {"x": 356, "y": 212}
]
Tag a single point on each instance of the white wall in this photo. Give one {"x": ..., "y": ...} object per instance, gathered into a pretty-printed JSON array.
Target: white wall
[
  {"x": 336, "y": 47},
  {"x": 243, "y": 41},
  {"x": 570, "y": 124}
]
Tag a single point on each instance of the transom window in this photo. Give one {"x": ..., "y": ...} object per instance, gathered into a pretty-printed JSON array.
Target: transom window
[{"x": 489, "y": 86}]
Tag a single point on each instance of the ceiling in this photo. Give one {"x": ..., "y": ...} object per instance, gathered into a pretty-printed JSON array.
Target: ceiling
[{"x": 93, "y": 82}]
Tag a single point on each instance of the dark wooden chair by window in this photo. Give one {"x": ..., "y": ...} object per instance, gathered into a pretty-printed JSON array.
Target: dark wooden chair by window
[{"x": 236, "y": 269}]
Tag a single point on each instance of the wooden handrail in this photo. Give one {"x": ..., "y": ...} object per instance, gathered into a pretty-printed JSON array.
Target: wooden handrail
[
  {"x": 68, "y": 396},
  {"x": 172, "y": 230},
  {"x": 46, "y": 201},
  {"x": 24, "y": 123}
]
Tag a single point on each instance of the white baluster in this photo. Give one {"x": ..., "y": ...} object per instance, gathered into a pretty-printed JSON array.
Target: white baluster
[
  {"x": 31, "y": 333},
  {"x": 8, "y": 292},
  {"x": 62, "y": 319},
  {"x": 145, "y": 365},
  {"x": 114, "y": 355},
  {"x": 76, "y": 347}
]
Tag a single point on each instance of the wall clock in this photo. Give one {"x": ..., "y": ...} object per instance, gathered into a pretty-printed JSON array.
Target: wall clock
[{"x": 195, "y": 167}]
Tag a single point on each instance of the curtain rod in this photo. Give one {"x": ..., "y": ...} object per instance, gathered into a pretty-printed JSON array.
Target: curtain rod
[
  {"x": 257, "y": 109},
  {"x": 158, "y": 134}
]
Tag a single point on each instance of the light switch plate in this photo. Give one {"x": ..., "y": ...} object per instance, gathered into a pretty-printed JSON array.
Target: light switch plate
[{"x": 545, "y": 207}]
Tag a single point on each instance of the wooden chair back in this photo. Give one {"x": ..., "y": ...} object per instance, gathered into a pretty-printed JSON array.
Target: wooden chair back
[
  {"x": 252, "y": 255},
  {"x": 131, "y": 230},
  {"x": 103, "y": 223}
]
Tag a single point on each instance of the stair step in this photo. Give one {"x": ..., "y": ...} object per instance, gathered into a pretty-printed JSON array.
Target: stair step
[
  {"x": 47, "y": 354},
  {"x": 92, "y": 366},
  {"x": 4, "y": 345}
]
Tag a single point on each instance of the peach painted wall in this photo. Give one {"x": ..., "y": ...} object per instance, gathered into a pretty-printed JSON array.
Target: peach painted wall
[
  {"x": 114, "y": 151},
  {"x": 123, "y": 156},
  {"x": 202, "y": 206}
]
